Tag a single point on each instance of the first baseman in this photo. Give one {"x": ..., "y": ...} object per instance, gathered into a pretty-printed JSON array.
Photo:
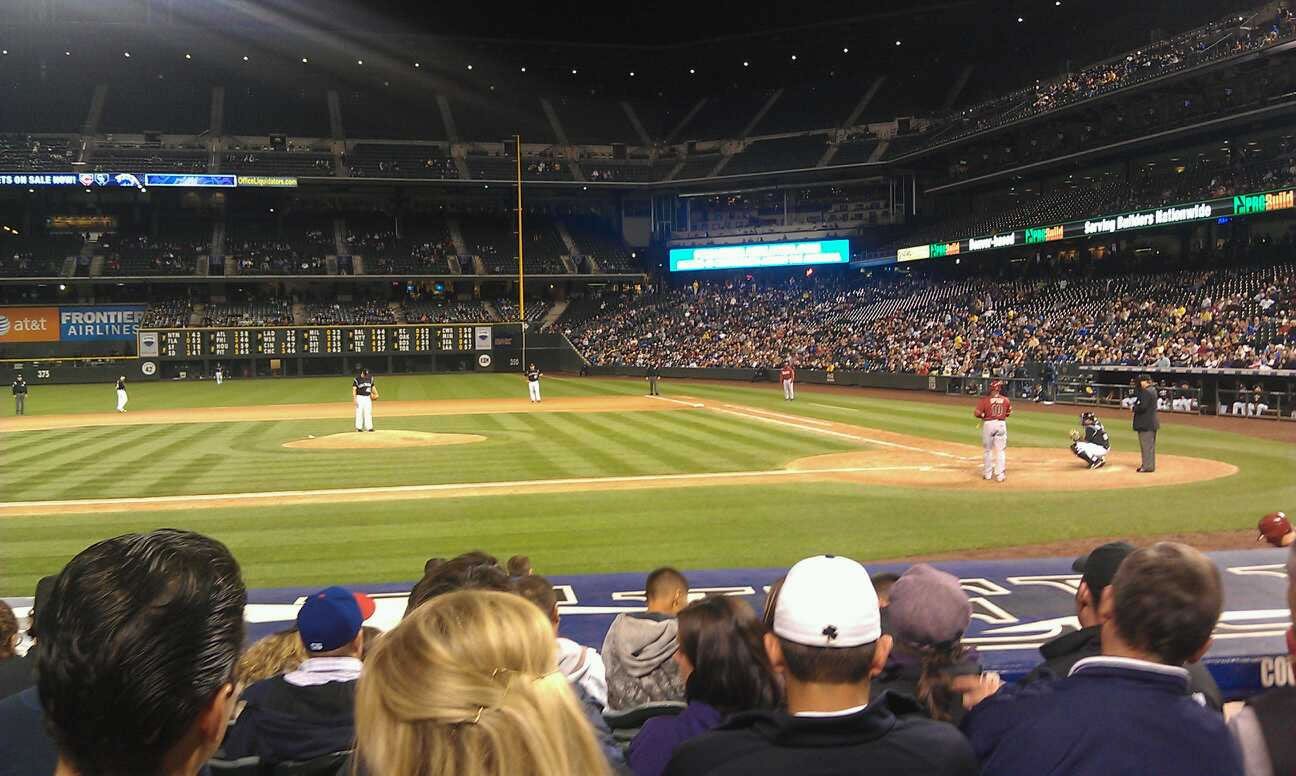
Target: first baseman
[
  {"x": 121, "y": 393},
  {"x": 19, "y": 389},
  {"x": 533, "y": 376},
  {"x": 363, "y": 392},
  {"x": 993, "y": 410}
]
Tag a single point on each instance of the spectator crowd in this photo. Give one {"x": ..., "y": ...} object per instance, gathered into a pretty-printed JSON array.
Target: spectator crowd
[{"x": 134, "y": 662}]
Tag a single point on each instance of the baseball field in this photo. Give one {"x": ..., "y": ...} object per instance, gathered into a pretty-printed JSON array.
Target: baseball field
[{"x": 597, "y": 478}]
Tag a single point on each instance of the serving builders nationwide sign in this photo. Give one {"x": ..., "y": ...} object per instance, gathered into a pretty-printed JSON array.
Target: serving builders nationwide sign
[
  {"x": 1223, "y": 207},
  {"x": 761, "y": 255}
]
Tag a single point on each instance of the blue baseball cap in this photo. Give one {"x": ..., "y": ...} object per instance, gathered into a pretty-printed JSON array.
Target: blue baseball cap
[{"x": 330, "y": 619}]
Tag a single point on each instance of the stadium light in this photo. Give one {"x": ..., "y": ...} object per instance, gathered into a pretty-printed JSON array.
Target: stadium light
[
  {"x": 5, "y": 52},
  {"x": 746, "y": 63},
  {"x": 573, "y": 71},
  {"x": 845, "y": 50},
  {"x": 305, "y": 60},
  {"x": 62, "y": 287},
  {"x": 524, "y": 69},
  {"x": 794, "y": 57},
  {"x": 632, "y": 74},
  {"x": 245, "y": 58},
  {"x": 1020, "y": 20},
  {"x": 359, "y": 61},
  {"x": 470, "y": 67},
  {"x": 126, "y": 54},
  {"x": 67, "y": 53},
  {"x": 897, "y": 43},
  {"x": 188, "y": 56},
  {"x": 692, "y": 71},
  {"x": 417, "y": 64}
]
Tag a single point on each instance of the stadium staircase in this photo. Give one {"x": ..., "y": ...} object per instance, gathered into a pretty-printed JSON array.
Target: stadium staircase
[
  {"x": 456, "y": 267},
  {"x": 553, "y": 314},
  {"x": 397, "y": 311},
  {"x": 456, "y": 236},
  {"x": 231, "y": 266},
  {"x": 68, "y": 270},
  {"x": 299, "y": 313},
  {"x": 492, "y": 311},
  {"x": 479, "y": 266},
  {"x": 96, "y": 266},
  {"x": 572, "y": 248},
  {"x": 358, "y": 265},
  {"x": 853, "y": 118},
  {"x": 197, "y": 314}
]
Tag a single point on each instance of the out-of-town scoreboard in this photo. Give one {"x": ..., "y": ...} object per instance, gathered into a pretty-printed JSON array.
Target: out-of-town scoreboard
[{"x": 295, "y": 341}]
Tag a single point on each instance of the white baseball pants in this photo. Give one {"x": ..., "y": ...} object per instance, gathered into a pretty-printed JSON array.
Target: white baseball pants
[
  {"x": 994, "y": 441},
  {"x": 533, "y": 390},
  {"x": 364, "y": 413},
  {"x": 121, "y": 400},
  {"x": 789, "y": 389},
  {"x": 1093, "y": 451}
]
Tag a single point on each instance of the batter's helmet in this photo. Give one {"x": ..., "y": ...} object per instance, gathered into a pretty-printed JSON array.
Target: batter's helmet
[
  {"x": 996, "y": 386},
  {"x": 1273, "y": 527}
]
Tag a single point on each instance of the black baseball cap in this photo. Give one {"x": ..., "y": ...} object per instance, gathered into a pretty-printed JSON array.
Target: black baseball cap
[{"x": 1099, "y": 566}]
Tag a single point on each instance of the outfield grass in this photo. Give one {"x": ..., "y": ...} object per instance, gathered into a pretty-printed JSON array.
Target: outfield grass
[{"x": 700, "y": 527}]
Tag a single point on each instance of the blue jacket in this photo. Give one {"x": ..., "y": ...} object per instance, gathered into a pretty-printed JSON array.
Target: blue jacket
[
  {"x": 1110, "y": 717},
  {"x": 657, "y": 740}
]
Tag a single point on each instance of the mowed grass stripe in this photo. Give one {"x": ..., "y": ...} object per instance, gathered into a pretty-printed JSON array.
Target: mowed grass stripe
[
  {"x": 792, "y": 443},
  {"x": 624, "y": 430},
  {"x": 602, "y": 457},
  {"x": 19, "y": 449},
  {"x": 702, "y": 449},
  {"x": 73, "y": 462},
  {"x": 145, "y": 453},
  {"x": 695, "y": 432},
  {"x": 523, "y": 454}
]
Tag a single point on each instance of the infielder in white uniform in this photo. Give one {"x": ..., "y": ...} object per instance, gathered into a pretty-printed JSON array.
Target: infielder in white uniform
[
  {"x": 121, "y": 393},
  {"x": 533, "y": 376},
  {"x": 363, "y": 393},
  {"x": 220, "y": 374}
]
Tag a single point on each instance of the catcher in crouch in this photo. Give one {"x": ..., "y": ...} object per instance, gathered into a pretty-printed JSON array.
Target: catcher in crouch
[{"x": 1093, "y": 445}]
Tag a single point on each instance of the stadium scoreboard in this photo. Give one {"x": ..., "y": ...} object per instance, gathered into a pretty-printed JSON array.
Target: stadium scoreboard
[
  {"x": 760, "y": 255},
  {"x": 294, "y": 341}
]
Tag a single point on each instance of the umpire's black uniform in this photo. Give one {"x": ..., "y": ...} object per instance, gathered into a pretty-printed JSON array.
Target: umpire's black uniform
[{"x": 1146, "y": 423}]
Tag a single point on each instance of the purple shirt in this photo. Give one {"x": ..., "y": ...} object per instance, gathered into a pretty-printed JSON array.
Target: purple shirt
[{"x": 657, "y": 740}]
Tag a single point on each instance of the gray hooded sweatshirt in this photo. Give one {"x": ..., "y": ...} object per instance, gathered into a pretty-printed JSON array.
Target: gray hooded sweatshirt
[{"x": 637, "y": 653}]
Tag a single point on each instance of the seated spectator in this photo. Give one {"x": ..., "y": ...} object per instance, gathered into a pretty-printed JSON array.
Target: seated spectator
[
  {"x": 1127, "y": 711},
  {"x": 579, "y": 663},
  {"x": 18, "y": 673},
  {"x": 1262, "y": 729},
  {"x": 926, "y": 619},
  {"x": 138, "y": 649},
  {"x": 639, "y": 647},
  {"x": 1097, "y": 569},
  {"x": 519, "y": 566},
  {"x": 827, "y": 644},
  {"x": 272, "y": 656},
  {"x": 725, "y": 670},
  {"x": 474, "y": 570},
  {"x": 10, "y": 636},
  {"x": 25, "y": 744},
  {"x": 309, "y": 712},
  {"x": 465, "y": 686}
]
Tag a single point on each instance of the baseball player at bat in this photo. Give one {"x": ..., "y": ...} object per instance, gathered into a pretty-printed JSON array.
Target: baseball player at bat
[
  {"x": 993, "y": 410},
  {"x": 363, "y": 393},
  {"x": 1093, "y": 445}
]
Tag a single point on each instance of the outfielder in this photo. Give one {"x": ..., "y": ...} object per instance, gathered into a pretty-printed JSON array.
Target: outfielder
[
  {"x": 788, "y": 375},
  {"x": 1091, "y": 447},
  {"x": 993, "y": 410},
  {"x": 533, "y": 376},
  {"x": 363, "y": 392},
  {"x": 121, "y": 394},
  {"x": 220, "y": 374}
]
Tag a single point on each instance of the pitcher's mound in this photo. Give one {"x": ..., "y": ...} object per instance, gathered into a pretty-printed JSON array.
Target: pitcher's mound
[{"x": 375, "y": 440}]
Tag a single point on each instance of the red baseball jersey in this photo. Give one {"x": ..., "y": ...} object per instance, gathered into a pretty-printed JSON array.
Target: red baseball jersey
[
  {"x": 994, "y": 408},
  {"x": 787, "y": 373}
]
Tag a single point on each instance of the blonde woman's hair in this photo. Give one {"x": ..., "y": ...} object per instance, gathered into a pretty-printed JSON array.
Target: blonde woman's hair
[
  {"x": 271, "y": 656},
  {"x": 467, "y": 685}
]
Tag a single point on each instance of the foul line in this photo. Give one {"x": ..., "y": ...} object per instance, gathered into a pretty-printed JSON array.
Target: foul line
[
  {"x": 83, "y": 504},
  {"x": 771, "y": 414},
  {"x": 694, "y": 404},
  {"x": 753, "y": 415}
]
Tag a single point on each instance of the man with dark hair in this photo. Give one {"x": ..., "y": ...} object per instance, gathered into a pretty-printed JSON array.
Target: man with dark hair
[
  {"x": 25, "y": 745},
  {"x": 19, "y": 673},
  {"x": 138, "y": 649},
  {"x": 1127, "y": 711},
  {"x": 827, "y": 643},
  {"x": 1098, "y": 568},
  {"x": 309, "y": 712},
  {"x": 519, "y": 566},
  {"x": 474, "y": 570},
  {"x": 580, "y": 664},
  {"x": 639, "y": 646},
  {"x": 882, "y": 584}
]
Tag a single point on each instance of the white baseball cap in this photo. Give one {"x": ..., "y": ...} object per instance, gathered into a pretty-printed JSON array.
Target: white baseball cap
[{"x": 828, "y": 601}]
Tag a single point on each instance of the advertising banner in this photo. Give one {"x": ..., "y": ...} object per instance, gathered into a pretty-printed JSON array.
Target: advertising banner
[
  {"x": 29, "y": 324},
  {"x": 101, "y": 323}
]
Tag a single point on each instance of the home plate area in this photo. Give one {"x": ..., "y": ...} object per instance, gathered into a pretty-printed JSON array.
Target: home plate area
[{"x": 1017, "y": 606}]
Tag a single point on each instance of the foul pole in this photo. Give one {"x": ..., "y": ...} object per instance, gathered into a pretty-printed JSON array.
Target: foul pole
[{"x": 517, "y": 151}]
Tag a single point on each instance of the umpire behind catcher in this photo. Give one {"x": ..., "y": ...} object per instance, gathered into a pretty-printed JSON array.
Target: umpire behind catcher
[{"x": 1146, "y": 422}]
